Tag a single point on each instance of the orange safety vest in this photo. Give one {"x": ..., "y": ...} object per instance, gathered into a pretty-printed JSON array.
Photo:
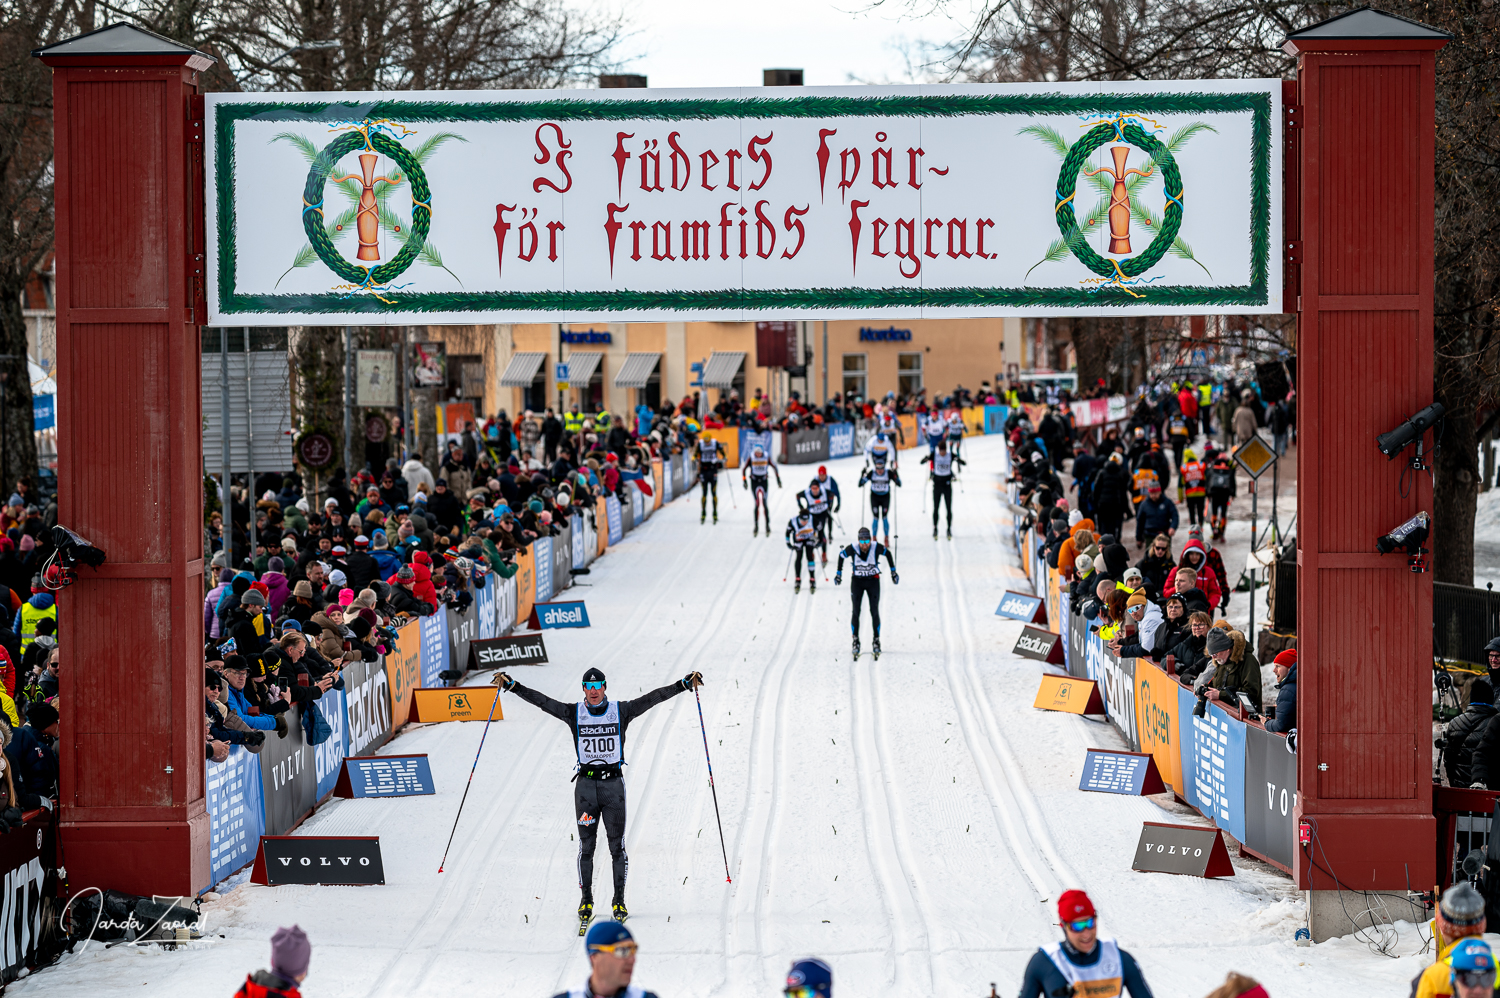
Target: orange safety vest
[{"x": 1144, "y": 479}]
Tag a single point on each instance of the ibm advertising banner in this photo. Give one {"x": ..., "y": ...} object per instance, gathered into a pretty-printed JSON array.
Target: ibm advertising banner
[{"x": 733, "y": 204}]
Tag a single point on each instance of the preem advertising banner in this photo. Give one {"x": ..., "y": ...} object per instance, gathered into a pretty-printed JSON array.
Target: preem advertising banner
[{"x": 1121, "y": 198}]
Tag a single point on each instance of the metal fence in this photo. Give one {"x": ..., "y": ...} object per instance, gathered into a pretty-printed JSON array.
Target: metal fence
[{"x": 1463, "y": 620}]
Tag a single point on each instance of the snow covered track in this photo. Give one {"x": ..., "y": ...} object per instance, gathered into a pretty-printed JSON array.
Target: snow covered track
[{"x": 911, "y": 820}]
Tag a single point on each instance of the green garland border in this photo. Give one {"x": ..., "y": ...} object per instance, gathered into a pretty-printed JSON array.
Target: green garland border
[{"x": 226, "y": 116}]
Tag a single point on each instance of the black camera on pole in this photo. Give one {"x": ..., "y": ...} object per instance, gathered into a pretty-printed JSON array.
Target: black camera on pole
[
  {"x": 1410, "y": 537},
  {"x": 1395, "y": 441}
]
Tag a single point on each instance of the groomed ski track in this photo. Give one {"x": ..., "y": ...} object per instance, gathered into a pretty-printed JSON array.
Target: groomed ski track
[{"x": 911, "y": 820}]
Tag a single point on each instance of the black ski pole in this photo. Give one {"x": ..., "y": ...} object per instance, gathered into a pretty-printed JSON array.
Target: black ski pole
[
  {"x": 465, "y": 797},
  {"x": 704, "y": 728}
]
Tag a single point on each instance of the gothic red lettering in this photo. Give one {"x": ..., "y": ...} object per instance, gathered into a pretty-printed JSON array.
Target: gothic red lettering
[
  {"x": 678, "y": 154},
  {"x": 927, "y": 233},
  {"x": 878, "y": 228},
  {"x": 911, "y": 254},
  {"x": 791, "y": 222},
  {"x": 695, "y": 240},
  {"x": 611, "y": 230},
  {"x": 636, "y": 228},
  {"x": 553, "y": 228},
  {"x": 703, "y": 174},
  {"x": 527, "y": 230},
  {"x": 725, "y": 224},
  {"x": 758, "y": 153},
  {"x": 730, "y": 157},
  {"x": 823, "y": 134},
  {"x": 854, "y": 227},
  {"x": 876, "y": 155},
  {"x": 661, "y": 248},
  {"x": 544, "y": 155},
  {"x": 979, "y": 227},
  {"x": 962, "y": 225},
  {"x": 764, "y": 229},
  {"x": 620, "y": 156},
  {"x": 846, "y": 179},
  {"x": 650, "y": 158},
  {"x": 501, "y": 228}
]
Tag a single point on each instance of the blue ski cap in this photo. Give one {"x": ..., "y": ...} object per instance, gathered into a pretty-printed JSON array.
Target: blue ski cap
[
  {"x": 811, "y": 973},
  {"x": 1472, "y": 954},
  {"x": 606, "y": 934}
]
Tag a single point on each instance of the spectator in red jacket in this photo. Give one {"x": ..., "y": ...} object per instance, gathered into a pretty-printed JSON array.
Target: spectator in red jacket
[
  {"x": 290, "y": 954},
  {"x": 1195, "y": 556}
]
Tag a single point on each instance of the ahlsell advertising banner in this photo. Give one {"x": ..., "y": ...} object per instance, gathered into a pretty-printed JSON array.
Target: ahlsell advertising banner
[
  {"x": 733, "y": 204},
  {"x": 328, "y": 755}
]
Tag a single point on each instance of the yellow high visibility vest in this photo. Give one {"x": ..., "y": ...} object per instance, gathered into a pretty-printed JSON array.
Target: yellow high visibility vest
[{"x": 30, "y": 615}]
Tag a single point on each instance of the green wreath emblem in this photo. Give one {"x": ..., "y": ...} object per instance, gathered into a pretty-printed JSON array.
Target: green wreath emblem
[
  {"x": 312, "y": 210},
  {"x": 1067, "y": 182}
]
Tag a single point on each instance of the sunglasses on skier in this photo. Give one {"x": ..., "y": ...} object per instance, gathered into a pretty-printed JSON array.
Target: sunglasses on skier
[
  {"x": 1475, "y": 978},
  {"x": 1082, "y": 925},
  {"x": 593, "y": 686},
  {"x": 624, "y": 950},
  {"x": 801, "y": 992}
]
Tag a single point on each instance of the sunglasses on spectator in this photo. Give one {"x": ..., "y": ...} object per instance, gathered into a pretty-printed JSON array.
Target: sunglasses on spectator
[
  {"x": 593, "y": 686},
  {"x": 1082, "y": 925}
]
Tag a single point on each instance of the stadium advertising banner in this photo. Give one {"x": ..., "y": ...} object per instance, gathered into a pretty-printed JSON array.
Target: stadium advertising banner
[
  {"x": 1156, "y": 724},
  {"x": 1118, "y": 198}
]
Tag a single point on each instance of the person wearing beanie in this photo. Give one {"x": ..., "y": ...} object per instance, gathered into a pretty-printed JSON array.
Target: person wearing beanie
[
  {"x": 1460, "y": 918},
  {"x": 1238, "y": 985},
  {"x": 360, "y": 566},
  {"x": 290, "y": 955},
  {"x": 1285, "y": 667},
  {"x": 278, "y": 589},
  {"x": 598, "y": 727},
  {"x": 611, "y": 952},
  {"x": 1082, "y": 963},
  {"x": 1148, "y": 625},
  {"x": 33, "y": 761},
  {"x": 40, "y": 605}
]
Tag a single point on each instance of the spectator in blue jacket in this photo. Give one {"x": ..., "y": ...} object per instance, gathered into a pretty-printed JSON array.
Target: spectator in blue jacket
[
  {"x": 1155, "y": 515},
  {"x": 237, "y": 672},
  {"x": 1285, "y": 667},
  {"x": 32, "y": 759}
]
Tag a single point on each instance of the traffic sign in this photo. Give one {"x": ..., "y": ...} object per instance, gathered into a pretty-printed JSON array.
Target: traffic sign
[{"x": 560, "y": 375}]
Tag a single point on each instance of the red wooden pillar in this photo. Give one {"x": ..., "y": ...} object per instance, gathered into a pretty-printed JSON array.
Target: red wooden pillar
[
  {"x": 129, "y": 196},
  {"x": 1364, "y": 157}
]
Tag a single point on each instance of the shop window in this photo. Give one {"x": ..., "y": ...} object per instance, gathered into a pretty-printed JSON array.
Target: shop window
[{"x": 855, "y": 375}]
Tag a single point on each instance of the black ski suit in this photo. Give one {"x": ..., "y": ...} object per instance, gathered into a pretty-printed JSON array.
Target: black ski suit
[
  {"x": 599, "y": 794},
  {"x": 869, "y": 583}
]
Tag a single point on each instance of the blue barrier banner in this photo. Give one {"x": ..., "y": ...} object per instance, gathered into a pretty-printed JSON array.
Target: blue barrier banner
[
  {"x": 485, "y": 606},
  {"x": 637, "y": 504},
  {"x": 995, "y": 417},
  {"x": 616, "y": 527},
  {"x": 580, "y": 555},
  {"x": 553, "y": 615},
  {"x": 1213, "y": 763},
  {"x": 749, "y": 439},
  {"x": 328, "y": 758},
  {"x": 840, "y": 440},
  {"x": 541, "y": 549},
  {"x": 235, "y": 810},
  {"x": 434, "y": 648},
  {"x": 43, "y": 412}
]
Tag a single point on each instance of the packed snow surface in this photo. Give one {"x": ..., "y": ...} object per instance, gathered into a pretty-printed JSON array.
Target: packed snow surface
[{"x": 912, "y": 820}]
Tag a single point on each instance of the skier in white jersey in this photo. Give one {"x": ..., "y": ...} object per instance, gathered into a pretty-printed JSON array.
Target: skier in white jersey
[
  {"x": 955, "y": 430},
  {"x": 1082, "y": 963},
  {"x": 756, "y": 475},
  {"x": 611, "y": 950},
  {"x": 934, "y": 428},
  {"x": 815, "y": 500},
  {"x": 943, "y": 468},
  {"x": 880, "y": 473},
  {"x": 866, "y": 555},
  {"x": 598, "y": 725}
]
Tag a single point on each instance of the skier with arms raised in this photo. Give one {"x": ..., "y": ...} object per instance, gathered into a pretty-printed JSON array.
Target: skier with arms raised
[{"x": 598, "y": 725}]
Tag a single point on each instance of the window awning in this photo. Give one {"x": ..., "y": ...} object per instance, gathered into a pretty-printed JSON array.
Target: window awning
[
  {"x": 637, "y": 370},
  {"x": 581, "y": 365},
  {"x": 722, "y": 367},
  {"x": 521, "y": 370}
]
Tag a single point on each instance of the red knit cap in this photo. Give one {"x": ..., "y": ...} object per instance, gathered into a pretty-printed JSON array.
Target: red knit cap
[
  {"x": 1074, "y": 905},
  {"x": 1287, "y": 658}
]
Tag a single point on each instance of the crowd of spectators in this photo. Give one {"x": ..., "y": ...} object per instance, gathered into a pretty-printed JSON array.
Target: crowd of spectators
[
  {"x": 1167, "y": 600},
  {"x": 330, "y": 577}
]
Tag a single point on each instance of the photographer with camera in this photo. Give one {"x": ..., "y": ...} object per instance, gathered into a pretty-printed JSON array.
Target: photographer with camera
[
  {"x": 1461, "y": 736},
  {"x": 1234, "y": 670}
]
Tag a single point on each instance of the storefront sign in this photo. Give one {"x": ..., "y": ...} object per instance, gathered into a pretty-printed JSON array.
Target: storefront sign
[
  {"x": 867, "y": 335},
  {"x": 733, "y": 204}
]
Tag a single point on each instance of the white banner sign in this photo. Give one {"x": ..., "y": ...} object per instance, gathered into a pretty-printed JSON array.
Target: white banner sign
[{"x": 461, "y": 207}]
